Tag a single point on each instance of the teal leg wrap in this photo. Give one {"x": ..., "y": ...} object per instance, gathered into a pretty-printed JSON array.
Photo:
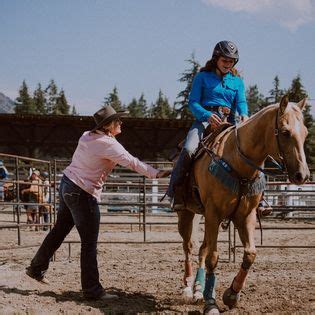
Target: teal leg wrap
[
  {"x": 200, "y": 279},
  {"x": 209, "y": 292}
]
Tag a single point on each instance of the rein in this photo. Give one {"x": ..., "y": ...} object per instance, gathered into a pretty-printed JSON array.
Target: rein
[{"x": 282, "y": 166}]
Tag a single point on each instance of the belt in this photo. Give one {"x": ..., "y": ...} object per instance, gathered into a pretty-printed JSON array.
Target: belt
[{"x": 222, "y": 110}]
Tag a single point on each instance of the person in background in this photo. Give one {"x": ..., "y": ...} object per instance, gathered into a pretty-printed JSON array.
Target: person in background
[
  {"x": 3, "y": 176},
  {"x": 96, "y": 155},
  {"x": 44, "y": 210},
  {"x": 33, "y": 194}
]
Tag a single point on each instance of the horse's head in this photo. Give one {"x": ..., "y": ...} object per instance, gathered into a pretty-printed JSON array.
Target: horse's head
[{"x": 291, "y": 135}]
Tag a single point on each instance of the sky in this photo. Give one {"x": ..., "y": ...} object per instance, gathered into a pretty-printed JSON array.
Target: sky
[{"x": 141, "y": 46}]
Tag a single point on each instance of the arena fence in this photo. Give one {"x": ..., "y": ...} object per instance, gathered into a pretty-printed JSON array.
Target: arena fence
[{"x": 138, "y": 199}]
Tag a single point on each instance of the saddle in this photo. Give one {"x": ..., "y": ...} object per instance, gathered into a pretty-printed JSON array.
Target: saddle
[{"x": 212, "y": 138}]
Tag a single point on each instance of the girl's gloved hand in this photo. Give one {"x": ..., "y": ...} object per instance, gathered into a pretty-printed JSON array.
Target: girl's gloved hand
[
  {"x": 243, "y": 118},
  {"x": 214, "y": 120}
]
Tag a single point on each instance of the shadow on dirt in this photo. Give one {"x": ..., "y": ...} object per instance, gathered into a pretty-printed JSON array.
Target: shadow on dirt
[{"x": 128, "y": 303}]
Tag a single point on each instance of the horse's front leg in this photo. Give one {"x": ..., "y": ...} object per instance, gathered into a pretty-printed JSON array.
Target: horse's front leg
[
  {"x": 246, "y": 231},
  {"x": 185, "y": 228},
  {"x": 205, "y": 282}
]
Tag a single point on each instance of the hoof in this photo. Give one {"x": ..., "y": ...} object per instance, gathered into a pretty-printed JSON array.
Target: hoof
[
  {"x": 187, "y": 294},
  {"x": 230, "y": 298},
  {"x": 212, "y": 311},
  {"x": 198, "y": 297},
  {"x": 211, "y": 308}
]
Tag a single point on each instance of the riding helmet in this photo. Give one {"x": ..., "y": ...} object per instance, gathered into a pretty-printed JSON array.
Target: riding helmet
[{"x": 227, "y": 49}]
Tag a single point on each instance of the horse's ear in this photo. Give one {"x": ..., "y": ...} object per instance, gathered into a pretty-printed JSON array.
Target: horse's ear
[
  {"x": 302, "y": 104},
  {"x": 283, "y": 104}
]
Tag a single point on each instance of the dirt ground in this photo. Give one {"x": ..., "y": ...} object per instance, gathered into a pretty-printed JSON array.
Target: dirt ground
[{"x": 148, "y": 277}]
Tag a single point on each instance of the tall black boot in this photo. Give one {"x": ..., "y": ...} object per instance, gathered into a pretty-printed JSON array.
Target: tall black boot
[{"x": 176, "y": 188}]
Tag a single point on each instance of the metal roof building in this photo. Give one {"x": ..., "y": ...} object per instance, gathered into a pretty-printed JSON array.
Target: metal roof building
[{"x": 53, "y": 136}]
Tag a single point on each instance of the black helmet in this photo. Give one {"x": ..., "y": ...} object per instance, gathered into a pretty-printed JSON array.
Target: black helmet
[{"x": 227, "y": 49}]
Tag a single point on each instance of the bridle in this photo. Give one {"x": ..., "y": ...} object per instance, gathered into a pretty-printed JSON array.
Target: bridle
[{"x": 282, "y": 165}]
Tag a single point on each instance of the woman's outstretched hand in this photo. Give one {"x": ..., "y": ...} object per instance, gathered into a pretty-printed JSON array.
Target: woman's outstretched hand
[{"x": 163, "y": 173}]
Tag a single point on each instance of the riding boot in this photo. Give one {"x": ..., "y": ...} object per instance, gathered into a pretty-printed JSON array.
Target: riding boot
[
  {"x": 178, "y": 202},
  {"x": 176, "y": 188}
]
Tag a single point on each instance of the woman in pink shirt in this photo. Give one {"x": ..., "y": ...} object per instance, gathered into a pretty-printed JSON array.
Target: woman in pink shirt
[{"x": 96, "y": 155}]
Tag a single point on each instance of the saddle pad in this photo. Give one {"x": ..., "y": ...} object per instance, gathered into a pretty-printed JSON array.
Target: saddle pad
[{"x": 222, "y": 171}]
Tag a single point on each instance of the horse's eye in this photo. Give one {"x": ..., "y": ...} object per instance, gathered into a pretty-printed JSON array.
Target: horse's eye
[{"x": 286, "y": 133}]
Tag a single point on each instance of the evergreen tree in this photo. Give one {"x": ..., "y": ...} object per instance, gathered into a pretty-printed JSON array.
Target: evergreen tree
[
  {"x": 276, "y": 93},
  {"x": 24, "y": 103},
  {"x": 51, "y": 97},
  {"x": 142, "y": 103},
  {"x": 39, "y": 100},
  {"x": 310, "y": 145},
  {"x": 255, "y": 99},
  {"x": 138, "y": 108},
  {"x": 133, "y": 108},
  {"x": 181, "y": 109},
  {"x": 74, "y": 111},
  {"x": 161, "y": 108},
  {"x": 296, "y": 93},
  {"x": 62, "y": 106},
  {"x": 113, "y": 100}
]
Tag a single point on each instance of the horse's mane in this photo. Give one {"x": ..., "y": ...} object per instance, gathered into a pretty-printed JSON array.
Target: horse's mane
[
  {"x": 261, "y": 112},
  {"x": 270, "y": 108}
]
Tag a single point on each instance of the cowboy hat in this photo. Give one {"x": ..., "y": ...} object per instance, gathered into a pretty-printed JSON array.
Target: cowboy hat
[
  {"x": 105, "y": 115},
  {"x": 36, "y": 172}
]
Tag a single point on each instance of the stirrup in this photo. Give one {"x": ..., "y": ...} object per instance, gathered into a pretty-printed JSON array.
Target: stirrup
[
  {"x": 264, "y": 211},
  {"x": 178, "y": 207}
]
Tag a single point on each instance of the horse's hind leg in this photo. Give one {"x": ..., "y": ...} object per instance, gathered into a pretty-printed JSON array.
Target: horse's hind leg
[
  {"x": 246, "y": 231},
  {"x": 185, "y": 228}
]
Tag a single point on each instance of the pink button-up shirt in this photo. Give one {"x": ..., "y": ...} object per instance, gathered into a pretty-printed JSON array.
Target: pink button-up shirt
[{"x": 95, "y": 157}]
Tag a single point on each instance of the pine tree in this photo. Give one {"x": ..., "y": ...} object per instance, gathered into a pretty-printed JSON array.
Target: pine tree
[
  {"x": 310, "y": 145},
  {"x": 181, "y": 109},
  {"x": 62, "y": 106},
  {"x": 138, "y": 108},
  {"x": 39, "y": 100},
  {"x": 276, "y": 93},
  {"x": 133, "y": 108},
  {"x": 74, "y": 111},
  {"x": 24, "y": 103},
  {"x": 296, "y": 93},
  {"x": 113, "y": 100},
  {"x": 143, "y": 107},
  {"x": 255, "y": 99},
  {"x": 161, "y": 108},
  {"x": 51, "y": 97}
]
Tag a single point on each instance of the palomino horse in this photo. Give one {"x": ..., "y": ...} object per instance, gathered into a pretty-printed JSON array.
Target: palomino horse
[{"x": 277, "y": 131}]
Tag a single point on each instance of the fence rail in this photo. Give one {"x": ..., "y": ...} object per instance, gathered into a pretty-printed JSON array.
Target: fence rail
[{"x": 128, "y": 192}]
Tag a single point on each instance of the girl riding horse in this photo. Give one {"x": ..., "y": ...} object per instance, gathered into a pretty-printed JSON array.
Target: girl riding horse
[{"x": 217, "y": 90}]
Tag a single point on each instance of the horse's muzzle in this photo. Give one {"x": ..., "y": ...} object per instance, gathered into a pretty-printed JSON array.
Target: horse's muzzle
[{"x": 299, "y": 178}]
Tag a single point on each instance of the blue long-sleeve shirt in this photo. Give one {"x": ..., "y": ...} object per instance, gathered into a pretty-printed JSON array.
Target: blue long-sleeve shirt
[{"x": 209, "y": 89}]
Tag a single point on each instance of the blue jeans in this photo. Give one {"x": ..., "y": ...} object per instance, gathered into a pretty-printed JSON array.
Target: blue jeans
[
  {"x": 194, "y": 136},
  {"x": 1, "y": 191},
  {"x": 183, "y": 163},
  {"x": 78, "y": 208}
]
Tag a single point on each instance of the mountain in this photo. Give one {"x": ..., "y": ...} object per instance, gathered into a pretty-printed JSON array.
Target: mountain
[{"x": 6, "y": 104}]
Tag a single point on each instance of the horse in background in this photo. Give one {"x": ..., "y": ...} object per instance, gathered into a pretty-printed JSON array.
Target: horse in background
[{"x": 277, "y": 131}]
